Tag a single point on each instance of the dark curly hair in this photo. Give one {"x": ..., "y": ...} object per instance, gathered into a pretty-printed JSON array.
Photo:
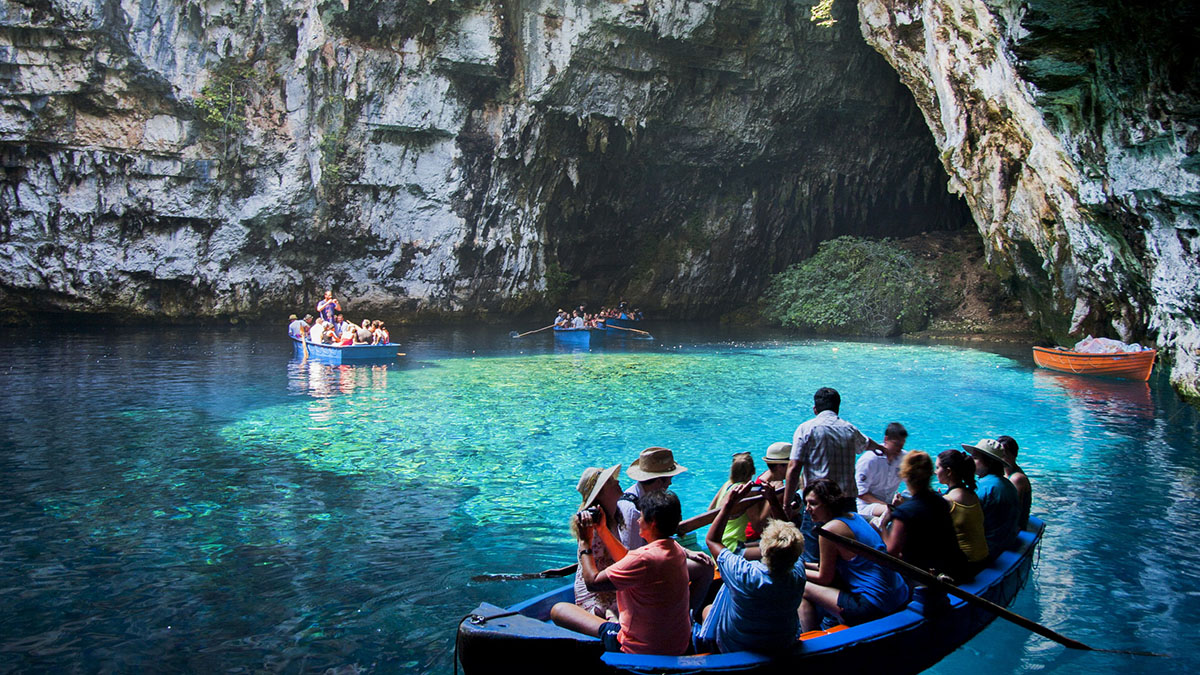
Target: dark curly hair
[{"x": 830, "y": 494}]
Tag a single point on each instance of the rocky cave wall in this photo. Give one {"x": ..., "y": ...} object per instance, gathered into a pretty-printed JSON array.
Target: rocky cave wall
[
  {"x": 1071, "y": 127},
  {"x": 176, "y": 158}
]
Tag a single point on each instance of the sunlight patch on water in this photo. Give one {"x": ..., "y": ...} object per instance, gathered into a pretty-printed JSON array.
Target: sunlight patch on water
[{"x": 521, "y": 429}]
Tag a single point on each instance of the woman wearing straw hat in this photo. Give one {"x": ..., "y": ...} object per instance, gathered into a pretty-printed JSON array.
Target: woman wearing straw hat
[{"x": 600, "y": 489}]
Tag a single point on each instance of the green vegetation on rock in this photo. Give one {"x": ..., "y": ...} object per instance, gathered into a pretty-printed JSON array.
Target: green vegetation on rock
[
  {"x": 222, "y": 102},
  {"x": 853, "y": 286}
]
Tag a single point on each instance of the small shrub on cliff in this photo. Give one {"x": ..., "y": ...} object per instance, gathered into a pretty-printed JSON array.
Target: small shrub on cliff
[
  {"x": 853, "y": 286},
  {"x": 222, "y": 102}
]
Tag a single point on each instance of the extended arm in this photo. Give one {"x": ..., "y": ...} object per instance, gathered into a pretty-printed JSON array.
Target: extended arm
[
  {"x": 894, "y": 536},
  {"x": 795, "y": 467},
  {"x": 824, "y": 574},
  {"x": 713, "y": 538}
]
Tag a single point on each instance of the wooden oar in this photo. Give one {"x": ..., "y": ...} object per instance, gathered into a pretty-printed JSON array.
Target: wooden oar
[
  {"x": 920, "y": 575},
  {"x": 632, "y": 330},
  {"x": 693, "y": 523},
  {"x": 544, "y": 574},
  {"x": 514, "y": 334}
]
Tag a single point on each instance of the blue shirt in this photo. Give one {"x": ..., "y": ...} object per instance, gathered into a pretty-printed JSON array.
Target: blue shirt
[
  {"x": 754, "y": 611},
  {"x": 1001, "y": 508},
  {"x": 877, "y": 584}
]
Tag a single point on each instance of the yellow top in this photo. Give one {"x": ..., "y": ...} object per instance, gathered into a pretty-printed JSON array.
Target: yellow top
[{"x": 968, "y": 525}]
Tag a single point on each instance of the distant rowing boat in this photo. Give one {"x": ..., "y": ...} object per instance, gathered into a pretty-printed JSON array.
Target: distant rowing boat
[
  {"x": 1126, "y": 365},
  {"x": 337, "y": 354},
  {"x": 577, "y": 337},
  {"x": 908, "y": 641}
]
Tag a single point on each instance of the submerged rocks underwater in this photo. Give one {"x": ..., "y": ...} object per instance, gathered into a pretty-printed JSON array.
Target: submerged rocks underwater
[{"x": 170, "y": 159}]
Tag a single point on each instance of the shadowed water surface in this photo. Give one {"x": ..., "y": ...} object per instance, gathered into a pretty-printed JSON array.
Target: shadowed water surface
[{"x": 201, "y": 500}]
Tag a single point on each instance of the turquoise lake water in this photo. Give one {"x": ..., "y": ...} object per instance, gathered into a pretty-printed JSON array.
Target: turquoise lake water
[{"x": 186, "y": 500}]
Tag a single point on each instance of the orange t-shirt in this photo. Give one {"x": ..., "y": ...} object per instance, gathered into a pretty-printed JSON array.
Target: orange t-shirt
[{"x": 652, "y": 595}]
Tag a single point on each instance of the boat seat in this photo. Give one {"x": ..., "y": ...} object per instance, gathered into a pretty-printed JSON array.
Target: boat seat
[{"x": 820, "y": 633}]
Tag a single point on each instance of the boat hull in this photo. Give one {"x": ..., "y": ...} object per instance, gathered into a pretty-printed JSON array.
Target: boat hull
[
  {"x": 908, "y": 641},
  {"x": 577, "y": 337},
  {"x": 1125, "y": 365},
  {"x": 352, "y": 354}
]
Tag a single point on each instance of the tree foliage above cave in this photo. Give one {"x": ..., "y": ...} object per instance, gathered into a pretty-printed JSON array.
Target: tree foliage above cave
[{"x": 853, "y": 286}]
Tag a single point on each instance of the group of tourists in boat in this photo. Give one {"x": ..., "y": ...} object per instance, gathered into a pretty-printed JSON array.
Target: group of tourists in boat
[
  {"x": 640, "y": 592},
  {"x": 580, "y": 318},
  {"x": 331, "y": 327}
]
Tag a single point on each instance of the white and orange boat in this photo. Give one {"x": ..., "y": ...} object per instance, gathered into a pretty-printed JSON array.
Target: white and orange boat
[{"x": 1126, "y": 365}]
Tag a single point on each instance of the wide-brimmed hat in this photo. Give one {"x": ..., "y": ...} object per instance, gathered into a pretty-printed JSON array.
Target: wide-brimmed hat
[
  {"x": 777, "y": 453},
  {"x": 593, "y": 481},
  {"x": 654, "y": 463},
  {"x": 991, "y": 448}
]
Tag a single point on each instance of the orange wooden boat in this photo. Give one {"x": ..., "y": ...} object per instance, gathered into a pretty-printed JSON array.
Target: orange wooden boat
[{"x": 1126, "y": 365}]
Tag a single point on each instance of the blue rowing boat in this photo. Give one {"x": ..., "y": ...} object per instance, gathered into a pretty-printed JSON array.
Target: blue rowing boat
[
  {"x": 337, "y": 354},
  {"x": 909, "y": 641},
  {"x": 626, "y": 328},
  {"x": 577, "y": 337}
]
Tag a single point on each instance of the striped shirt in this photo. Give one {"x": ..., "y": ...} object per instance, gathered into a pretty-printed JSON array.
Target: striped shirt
[{"x": 826, "y": 446}]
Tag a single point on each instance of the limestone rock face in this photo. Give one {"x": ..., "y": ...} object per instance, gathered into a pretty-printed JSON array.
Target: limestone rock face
[
  {"x": 1071, "y": 129},
  {"x": 182, "y": 159}
]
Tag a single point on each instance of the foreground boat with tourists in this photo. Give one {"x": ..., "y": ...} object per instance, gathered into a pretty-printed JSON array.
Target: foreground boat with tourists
[
  {"x": 1125, "y": 365},
  {"x": 908, "y": 641},
  {"x": 338, "y": 355}
]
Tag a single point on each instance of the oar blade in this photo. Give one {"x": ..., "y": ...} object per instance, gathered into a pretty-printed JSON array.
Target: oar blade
[{"x": 513, "y": 334}]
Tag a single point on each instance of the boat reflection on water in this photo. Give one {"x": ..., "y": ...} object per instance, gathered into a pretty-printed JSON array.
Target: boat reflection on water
[
  {"x": 1110, "y": 398},
  {"x": 322, "y": 380}
]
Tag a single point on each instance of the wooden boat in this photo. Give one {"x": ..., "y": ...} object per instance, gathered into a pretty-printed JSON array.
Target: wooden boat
[
  {"x": 1126, "y": 365},
  {"x": 908, "y": 641},
  {"x": 338, "y": 355},
  {"x": 577, "y": 337}
]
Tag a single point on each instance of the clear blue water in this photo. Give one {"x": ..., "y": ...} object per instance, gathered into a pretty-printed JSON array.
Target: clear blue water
[{"x": 199, "y": 500}]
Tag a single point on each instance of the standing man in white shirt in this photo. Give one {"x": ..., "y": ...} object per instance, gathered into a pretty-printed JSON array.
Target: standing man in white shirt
[
  {"x": 878, "y": 474},
  {"x": 823, "y": 447}
]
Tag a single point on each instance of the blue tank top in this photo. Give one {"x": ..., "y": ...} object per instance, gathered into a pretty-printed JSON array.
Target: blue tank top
[{"x": 876, "y": 584}]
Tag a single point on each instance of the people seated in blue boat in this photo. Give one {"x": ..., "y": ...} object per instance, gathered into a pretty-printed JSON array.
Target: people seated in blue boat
[
  {"x": 845, "y": 587},
  {"x": 920, "y": 530},
  {"x": 756, "y": 608},
  {"x": 577, "y": 322},
  {"x": 600, "y": 490},
  {"x": 651, "y": 585},
  {"x": 562, "y": 320},
  {"x": 316, "y": 332},
  {"x": 653, "y": 471},
  {"x": 1016, "y": 476},
  {"x": 1000, "y": 501},
  {"x": 956, "y": 470},
  {"x": 298, "y": 328},
  {"x": 741, "y": 471},
  {"x": 381, "y": 334},
  {"x": 328, "y": 307},
  {"x": 877, "y": 474},
  {"x": 341, "y": 325}
]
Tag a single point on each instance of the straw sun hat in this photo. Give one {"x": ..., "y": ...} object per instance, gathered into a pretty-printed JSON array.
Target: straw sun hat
[
  {"x": 778, "y": 453},
  {"x": 991, "y": 448},
  {"x": 592, "y": 481},
  {"x": 654, "y": 463}
]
